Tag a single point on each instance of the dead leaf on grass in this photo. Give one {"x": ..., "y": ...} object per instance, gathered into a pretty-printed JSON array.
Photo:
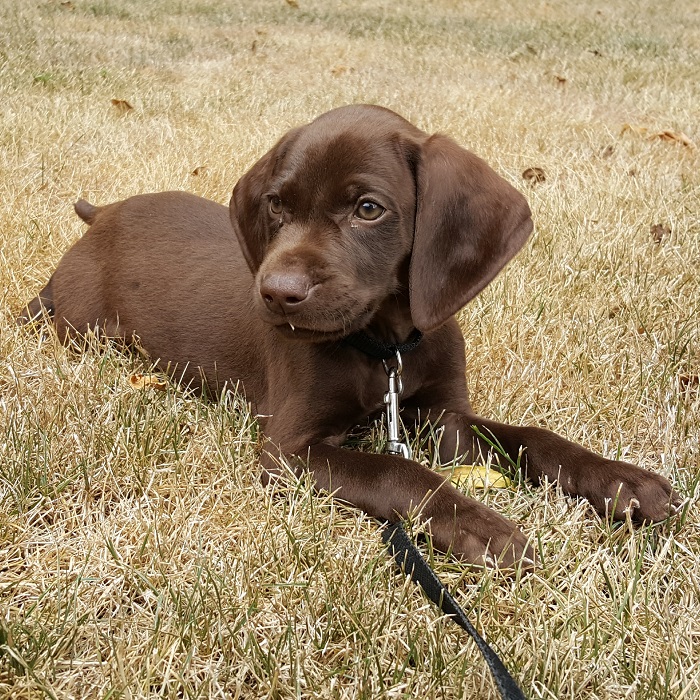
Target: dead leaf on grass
[
  {"x": 688, "y": 383},
  {"x": 607, "y": 151},
  {"x": 615, "y": 310},
  {"x": 199, "y": 170},
  {"x": 68, "y": 5},
  {"x": 145, "y": 381},
  {"x": 340, "y": 70},
  {"x": 534, "y": 175},
  {"x": 674, "y": 136},
  {"x": 659, "y": 232},
  {"x": 293, "y": 3},
  {"x": 665, "y": 135},
  {"x": 561, "y": 80},
  {"x": 122, "y": 106}
]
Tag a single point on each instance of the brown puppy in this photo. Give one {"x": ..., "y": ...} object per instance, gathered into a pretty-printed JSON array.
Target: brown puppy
[{"x": 356, "y": 222}]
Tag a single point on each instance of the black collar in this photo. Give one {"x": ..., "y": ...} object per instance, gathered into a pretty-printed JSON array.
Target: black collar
[{"x": 380, "y": 350}]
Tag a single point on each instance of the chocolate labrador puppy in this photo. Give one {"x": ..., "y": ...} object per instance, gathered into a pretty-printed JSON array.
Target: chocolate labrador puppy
[{"x": 356, "y": 235}]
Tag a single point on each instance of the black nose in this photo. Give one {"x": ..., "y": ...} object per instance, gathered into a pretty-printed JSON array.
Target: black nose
[{"x": 285, "y": 293}]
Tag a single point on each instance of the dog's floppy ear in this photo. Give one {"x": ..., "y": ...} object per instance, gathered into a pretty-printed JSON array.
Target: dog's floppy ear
[
  {"x": 469, "y": 223},
  {"x": 248, "y": 207}
]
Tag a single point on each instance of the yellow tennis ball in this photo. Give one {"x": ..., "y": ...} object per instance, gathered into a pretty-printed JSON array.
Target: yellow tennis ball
[{"x": 479, "y": 477}]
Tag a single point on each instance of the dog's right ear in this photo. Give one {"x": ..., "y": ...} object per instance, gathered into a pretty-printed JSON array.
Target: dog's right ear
[{"x": 248, "y": 207}]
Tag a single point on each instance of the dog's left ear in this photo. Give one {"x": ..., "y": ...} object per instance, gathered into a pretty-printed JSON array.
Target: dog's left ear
[{"x": 469, "y": 223}]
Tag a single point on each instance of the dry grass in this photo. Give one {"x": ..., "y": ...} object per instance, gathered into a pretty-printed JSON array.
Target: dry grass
[{"x": 139, "y": 555}]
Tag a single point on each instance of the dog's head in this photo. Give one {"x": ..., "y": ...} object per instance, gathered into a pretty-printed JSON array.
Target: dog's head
[{"x": 360, "y": 206}]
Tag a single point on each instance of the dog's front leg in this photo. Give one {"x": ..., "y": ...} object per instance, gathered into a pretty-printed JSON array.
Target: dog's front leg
[
  {"x": 613, "y": 487},
  {"x": 389, "y": 487}
]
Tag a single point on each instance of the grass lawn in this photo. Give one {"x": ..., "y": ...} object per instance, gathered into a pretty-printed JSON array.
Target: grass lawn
[{"x": 139, "y": 554}]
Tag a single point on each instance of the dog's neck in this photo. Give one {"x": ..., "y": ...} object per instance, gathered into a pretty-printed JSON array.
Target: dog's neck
[
  {"x": 392, "y": 323},
  {"x": 391, "y": 330}
]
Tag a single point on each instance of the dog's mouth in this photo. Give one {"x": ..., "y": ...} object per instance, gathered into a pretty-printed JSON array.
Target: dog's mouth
[
  {"x": 308, "y": 334},
  {"x": 302, "y": 329},
  {"x": 329, "y": 312}
]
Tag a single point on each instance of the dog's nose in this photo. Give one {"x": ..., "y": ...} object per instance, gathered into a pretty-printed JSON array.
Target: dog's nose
[{"x": 285, "y": 293}]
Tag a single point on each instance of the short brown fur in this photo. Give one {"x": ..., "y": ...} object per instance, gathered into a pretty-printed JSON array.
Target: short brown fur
[{"x": 261, "y": 295}]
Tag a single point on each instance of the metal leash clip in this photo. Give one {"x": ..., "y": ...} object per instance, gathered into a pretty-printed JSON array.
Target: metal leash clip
[{"x": 391, "y": 401}]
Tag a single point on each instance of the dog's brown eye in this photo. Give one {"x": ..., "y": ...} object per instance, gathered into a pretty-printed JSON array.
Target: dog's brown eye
[
  {"x": 369, "y": 211},
  {"x": 275, "y": 205}
]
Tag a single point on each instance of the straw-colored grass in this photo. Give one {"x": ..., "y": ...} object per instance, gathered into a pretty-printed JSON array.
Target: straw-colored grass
[{"x": 139, "y": 554}]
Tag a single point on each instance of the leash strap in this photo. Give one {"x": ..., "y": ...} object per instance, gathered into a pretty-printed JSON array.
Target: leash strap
[
  {"x": 411, "y": 561},
  {"x": 406, "y": 555}
]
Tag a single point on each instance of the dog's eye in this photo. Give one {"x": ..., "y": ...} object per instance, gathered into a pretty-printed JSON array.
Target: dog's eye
[
  {"x": 275, "y": 206},
  {"x": 369, "y": 211}
]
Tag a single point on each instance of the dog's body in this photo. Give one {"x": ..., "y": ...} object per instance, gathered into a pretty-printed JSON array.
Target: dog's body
[{"x": 357, "y": 222}]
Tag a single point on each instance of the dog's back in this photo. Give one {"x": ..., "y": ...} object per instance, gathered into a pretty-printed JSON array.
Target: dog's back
[{"x": 135, "y": 273}]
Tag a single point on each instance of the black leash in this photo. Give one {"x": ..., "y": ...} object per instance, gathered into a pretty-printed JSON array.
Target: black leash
[
  {"x": 411, "y": 561},
  {"x": 404, "y": 552}
]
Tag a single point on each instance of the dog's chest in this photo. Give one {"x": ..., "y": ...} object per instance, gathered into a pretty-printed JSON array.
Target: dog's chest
[
  {"x": 361, "y": 391},
  {"x": 326, "y": 395}
]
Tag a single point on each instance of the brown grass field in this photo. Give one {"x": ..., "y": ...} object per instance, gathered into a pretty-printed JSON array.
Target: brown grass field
[{"x": 140, "y": 556}]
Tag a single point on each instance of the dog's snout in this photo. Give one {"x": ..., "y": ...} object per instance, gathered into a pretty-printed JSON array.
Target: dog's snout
[{"x": 285, "y": 292}]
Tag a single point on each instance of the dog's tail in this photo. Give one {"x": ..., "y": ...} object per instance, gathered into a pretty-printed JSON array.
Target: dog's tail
[
  {"x": 40, "y": 304},
  {"x": 86, "y": 211}
]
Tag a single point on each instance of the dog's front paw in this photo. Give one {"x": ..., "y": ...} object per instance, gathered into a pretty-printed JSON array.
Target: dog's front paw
[
  {"x": 619, "y": 489},
  {"x": 480, "y": 536}
]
